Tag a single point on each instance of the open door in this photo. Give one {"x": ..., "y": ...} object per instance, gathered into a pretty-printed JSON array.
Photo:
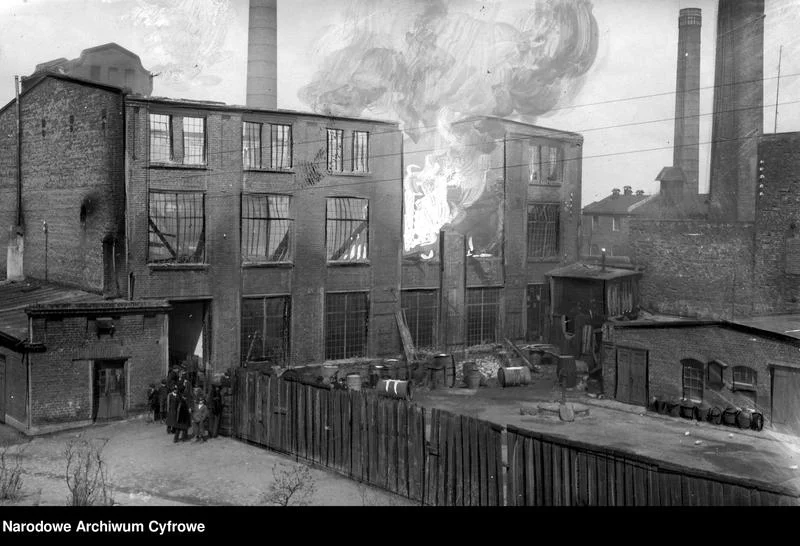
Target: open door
[{"x": 109, "y": 389}]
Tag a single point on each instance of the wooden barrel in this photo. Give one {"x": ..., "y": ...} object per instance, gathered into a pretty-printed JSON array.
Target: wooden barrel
[
  {"x": 729, "y": 416},
  {"x": 473, "y": 379},
  {"x": 687, "y": 410},
  {"x": 512, "y": 377},
  {"x": 715, "y": 416},
  {"x": 353, "y": 382},
  {"x": 756, "y": 421},
  {"x": 393, "y": 369},
  {"x": 394, "y": 388},
  {"x": 702, "y": 413},
  {"x": 674, "y": 408},
  {"x": 744, "y": 419},
  {"x": 443, "y": 371}
]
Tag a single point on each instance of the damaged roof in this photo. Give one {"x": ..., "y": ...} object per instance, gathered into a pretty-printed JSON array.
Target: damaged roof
[{"x": 592, "y": 271}]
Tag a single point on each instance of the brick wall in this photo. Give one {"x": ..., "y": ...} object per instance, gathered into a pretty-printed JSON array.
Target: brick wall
[
  {"x": 16, "y": 385},
  {"x": 778, "y": 210},
  {"x": 694, "y": 268},
  {"x": 666, "y": 347},
  {"x": 71, "y": 158},
  {"x": 616, "y": 243},
  {"x": 62, "y": 377}
]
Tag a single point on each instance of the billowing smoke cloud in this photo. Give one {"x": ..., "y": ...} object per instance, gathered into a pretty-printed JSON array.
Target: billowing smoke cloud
[{"x": 470, "y": 58}]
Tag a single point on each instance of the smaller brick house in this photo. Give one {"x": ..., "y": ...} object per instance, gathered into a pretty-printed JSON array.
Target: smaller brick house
[
  {"x": 749, "y": 363},
  {"x": 69, "y": 358},
  {"x": 605, "y": 223}
]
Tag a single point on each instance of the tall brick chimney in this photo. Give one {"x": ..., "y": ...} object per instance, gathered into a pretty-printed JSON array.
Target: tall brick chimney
[
  {"x": 686, "y": 154},
  {"x": 262, "y": 54},
  {"x": 738, "y": 103}
]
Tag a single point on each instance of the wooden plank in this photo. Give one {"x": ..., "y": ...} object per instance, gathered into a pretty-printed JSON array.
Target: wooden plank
[
  {"x": 372, "y": 407},
  {"x": 391, "y": 445},
  {"x": 382, "y": 426},
  {"x": 441, "y": 476},
  {"x": 676, "y": 491},
  {"x": 653, "y": 487},
  {"x": 630, "y": 493},
  {"x": 555, "y": 474},
  {"x": 405, "y": 337},
  {"x": 640, "y": 485},
  {"x": 664, "y": 484},
  {"x": 364, "y": 433},
  {"x": 334, "y": 458},
  {"x": 300, "y": 410},
  {"x": 267, "y": 416},
  {"x": 432, "y": 461},
  {"x": 474, "y": 464},
  {"x": 591, "y": 479},
  {"x": 619, "y": 483},
  {"x": 416, "y": 452},
  {"x": 355, "y": 434},
  {"x": 602, "y": 480},
  {"x": 403, "y": 442},
  {"x": 513, "y": 476},
  {"x": 483, "y": 463},
  {"x": 458, "y": 455},
  {"x": 464, "y": 449},
  {"x": 496, "y": 493},
  {"x": 347, "y": 416},
  {"x": 533, "y": 494},
  {"x": 324, "y": 426},
  {"x": 453, "y": 471},
  {"x": 566, "y": 476},
  {"x": 309, "y": 421}
]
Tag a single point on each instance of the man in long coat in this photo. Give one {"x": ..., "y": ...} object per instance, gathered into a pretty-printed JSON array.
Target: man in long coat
[
  {"x": 173, "y": 400},
  {"x": 183, "y": 419}
]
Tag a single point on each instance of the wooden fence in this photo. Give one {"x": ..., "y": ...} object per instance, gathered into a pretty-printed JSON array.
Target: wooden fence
[
  {"x": 544, "y": 470},
  {"x": 379, "y": 441}
]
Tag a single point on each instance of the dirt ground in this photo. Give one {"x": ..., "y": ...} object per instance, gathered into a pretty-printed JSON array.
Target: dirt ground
[
  {"x": 147, "y": 468},
  {"x": 762, "y": 455}
]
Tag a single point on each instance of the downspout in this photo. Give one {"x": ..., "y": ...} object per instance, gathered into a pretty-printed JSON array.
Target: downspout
[{"x": 19, "y": 156}]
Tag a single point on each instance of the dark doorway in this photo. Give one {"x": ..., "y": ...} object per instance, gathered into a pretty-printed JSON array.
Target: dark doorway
[
  {"x": 538, "y": 303},
  {"x": 189, "y": 334},
  {"x": 2, "y": 389},
  {"x": 786, "y": 398},
  {"x": 632, "y": 376},
  {"x": 109, "y": 389}
]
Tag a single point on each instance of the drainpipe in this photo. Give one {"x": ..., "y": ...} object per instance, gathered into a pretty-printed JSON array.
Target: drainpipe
[
  {"x": 19, "y": 156},
  {"x": 603, "y": 260}
]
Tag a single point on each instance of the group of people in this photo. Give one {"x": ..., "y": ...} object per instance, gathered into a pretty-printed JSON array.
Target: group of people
[{"x": 180, "y": 404}]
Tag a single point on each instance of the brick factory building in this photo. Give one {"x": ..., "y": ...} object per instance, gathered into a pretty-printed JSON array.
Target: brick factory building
[
  {"x": 514, "y": 216},
  {"x": 271, "y": 235}
]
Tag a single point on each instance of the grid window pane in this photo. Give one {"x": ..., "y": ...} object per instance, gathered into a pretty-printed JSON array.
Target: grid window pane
[
  {"x": 335, "y": 145},
  {"x": 176, "y": 227},
  {"x": 346, "y": 318},
  {"x": 483, "y": 311},
  {"x": 744, "y": 377},
  {"x": 194, "y": 141},
  {"x": 281, "y": 147},
  {"x": 265, "y": 329},
  {"x": 535, "y": 164},
  {"x": 543, "y": 230},
  {"x": 347, "y": 229},
  {"x": 360, "y": 151},
  {"x": 545, "y": 164},
  {"x": 267, "y": 228},
  {"x": 160, "y": 138},
  {"x": 421, "y": 309},
  {"x": 693, "y": 380},
  {"x": 251, "y": 145}
]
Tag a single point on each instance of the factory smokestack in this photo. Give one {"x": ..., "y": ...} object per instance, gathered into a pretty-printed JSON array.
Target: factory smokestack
[
  {"x": 738, "y": 104},
  {"x": 262, "y": 54},
  {"x": 686, "y": 154}
]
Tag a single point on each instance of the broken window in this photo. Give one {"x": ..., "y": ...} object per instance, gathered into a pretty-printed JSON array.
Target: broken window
[
  {"x": 715, "y": 370},
  {"x": 266, "y": 228},
  {"x": 251, "y": 145},
  {"x": 281, "y": 147},
  {"x": 194, "y": 141},
  {"x": 543, "y": 230},
  {"x": 265, "y": 329},
  {"x": 160, "y": 138},
  {"x": 346, "y": 317},
  {"x": 421, "y": 308},
  {"x": 335, "y": 149},
  {"x": 347, "y": 229},
  {"x": 176, "y": 227},
  {"x": 545, "y": 164},
  {"x": 483, "y": 312},
  {"x": 744, "y": 378},
  {"x": 692, "y": 380},
  {"x": 360, "y": 151}
]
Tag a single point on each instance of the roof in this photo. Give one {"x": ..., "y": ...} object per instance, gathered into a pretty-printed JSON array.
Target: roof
[
  {"x": 38, "y": 77},
  {"x": 16, "y": 296},
  {"x": 619, "y": 204},
  {"x": 786, "y": 325},
  {"x": 592, "y": 271},
  {"x": 690, "y": 206},
  {"x": 527, "y": 128},
  {"x": 671, "y": 174}
]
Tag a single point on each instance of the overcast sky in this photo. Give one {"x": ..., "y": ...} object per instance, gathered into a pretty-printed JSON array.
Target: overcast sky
[{"x": 199, "y": 49}]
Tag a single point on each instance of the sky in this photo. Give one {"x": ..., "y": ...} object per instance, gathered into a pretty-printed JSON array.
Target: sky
[{"x": 622, "y": 101}]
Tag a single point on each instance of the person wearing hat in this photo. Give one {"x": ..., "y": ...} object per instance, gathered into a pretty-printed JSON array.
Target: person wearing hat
[
  {"x": 199, "y": 416},
  {"x": 183, "y": 418},
  {"x": 163, "y": 392},
  {"x": 215, "y": 413},
  {"x": 152, "y": 400},
  {"x": 173, "y": 401}
]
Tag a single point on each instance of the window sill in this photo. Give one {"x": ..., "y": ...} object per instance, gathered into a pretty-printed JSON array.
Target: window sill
[
  {"x": 349, "y": 264},
  {"x": 256, "y": 265},
  {"x": 268, "y": 170},
  {"x": 553, "y": 259},
  {"x": 545, "y": 184},
  {"x": 746, "y": 388},
  {"x": 178, "y": 166},
  {"x": 177, "y": 267},
  {"x": 349, "y": 174}
]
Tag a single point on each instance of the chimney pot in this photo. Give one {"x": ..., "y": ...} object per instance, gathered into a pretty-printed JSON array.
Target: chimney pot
[
  {"x": 628, "y": 190},
  {"x": 639, "y": 192},
  {"x": 615, "y": 192}
]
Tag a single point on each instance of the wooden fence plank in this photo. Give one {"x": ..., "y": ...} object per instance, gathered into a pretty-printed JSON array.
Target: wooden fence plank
[
  {"x": 432, "y": 461},
  {"x": 300, "y": 410},
  {"x": 336, "y": 430},
  {"x": 676, "y": 491},
  {"x": 325, "y": 438},
  {"x": 533, "y": 493},
  {"x": 372, "y": 410},
  {"x": 497, "y": 496},
  {"x": 347, "y": 416},
  {"x": 602, "y": 481},
  {"x": 474, "y": 464},
  {"x": 591, "y": 479},
  {"x": 416, "y": 452},
  {"x": 383, "y": 443},
  {"x": 640, "y": 485},
  {"x": 364, "y": 403},
  {"x": 403, "y": 442},
  {"x": 483, "y": 463},
  {"x": 453, "y": 457},
  {"x": 664, "y": 485},
  {"x": 556, "y": 473},
  {"x": 309, "y": 429},
  {"x": 515, "y": 475},
  {"x": 653, "y": 494},
  {"x": 391, "y": 445},
  {"x": 566, "y": 477},
  {"x": 355, "y": 434},
  {"x": 457, "y": 478},
  {"x": 441, "y": 477},
  {"x": 463, "y": 487}
]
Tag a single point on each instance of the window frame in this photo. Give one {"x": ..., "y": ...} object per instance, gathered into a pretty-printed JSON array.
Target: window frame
[
  {"x": 274, "y": 129},
  {"x": 187, "y": 144},
  {"x": 254, "y": 152},
  {"x": 331, "y": 222},
  {"x": 152, "y": 138},
  {"x": 616, "y": 223},
  {"x": 483, "y": 305},
  {"x": 595, "y": 223},
  {"x": 347, "y": 325},
  {"x": 686, "y": 390},
  {"x": 201, "y": 239},
  {"x": 738, "y": 385},
  {"x": 556, "y": 251},
  {"x": 286, "y": 335},
  {"x": 354, "y": 160},
  {"x": 337, "y": 165},
  {"x": 247, "y": 258},
  {"x": 417, "y": 315},
  {"x": 542, "y": 175}
]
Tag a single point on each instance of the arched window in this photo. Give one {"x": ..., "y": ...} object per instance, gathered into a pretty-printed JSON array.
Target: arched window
[{"x": 692, "y": 379}]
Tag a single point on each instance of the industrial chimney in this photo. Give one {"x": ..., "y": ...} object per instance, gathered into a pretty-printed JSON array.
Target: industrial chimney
[
  {"x": 686, "y": 154},
  {"x": 262, "y": 55},
  {"x": 738, "y": 103}
]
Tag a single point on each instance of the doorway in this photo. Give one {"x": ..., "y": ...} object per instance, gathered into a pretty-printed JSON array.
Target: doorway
[
  {"x": 786, "y": 398},
  {"x": 538, "y": 304},
  {"x": 189, "y": 335},
  {"x": 109, "y": 389},
  {"x": 632, "y": 376}
]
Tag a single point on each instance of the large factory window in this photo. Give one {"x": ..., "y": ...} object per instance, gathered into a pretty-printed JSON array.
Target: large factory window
[
  {"x": 543, "y": 230},
  {"x": 280, "y": 147},
  {"x": 265, "y": 329},
  {"x": 160, "y": 138},
  {"x": 251, "y": 145},
  {"x": 421, "y": 308},
  {"x": 692, "y": 380},
  {"x": 266, "y": 228},
  {"x": 347, "y": 229},
  {"x": 194, "y": 141},
  {"x": 335, "y": 150},
  {"x": 346, "y": 317},
  {"x": 545, "y": 164},
  {"x": 483, "y": 313},
  {"x": 360, "y": 151},
  {"x": 177, "y": 227}
]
